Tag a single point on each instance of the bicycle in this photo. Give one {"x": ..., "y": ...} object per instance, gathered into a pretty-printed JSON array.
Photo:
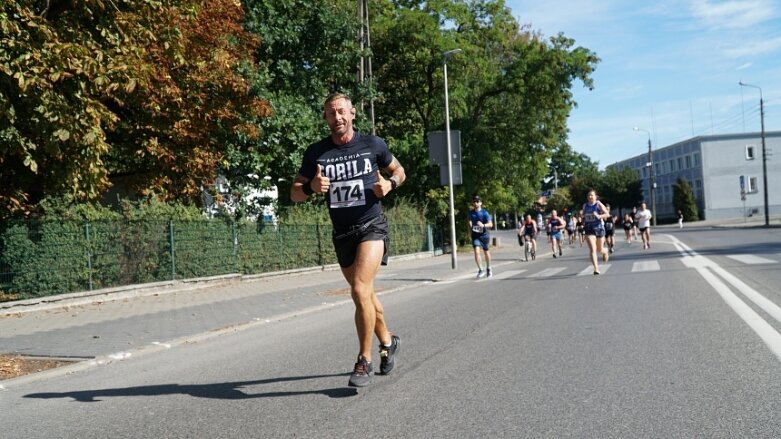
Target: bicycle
[{"x": 527, "y": 248}]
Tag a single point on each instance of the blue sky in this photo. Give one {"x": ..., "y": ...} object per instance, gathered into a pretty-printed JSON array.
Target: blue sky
[{"x": 671, "y": 67}]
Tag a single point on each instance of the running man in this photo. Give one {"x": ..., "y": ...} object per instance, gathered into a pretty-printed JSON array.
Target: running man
[
  {"x": 479, "y": 223},
  {"x": 556, "y": 225},
  {"x": 643, "y": 217},
  {"x": 345, "y": 167}
]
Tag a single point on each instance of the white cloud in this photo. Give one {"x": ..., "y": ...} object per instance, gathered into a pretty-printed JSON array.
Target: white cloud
[
  {"x": 752, "y": 48},
  {"x": 734, "y": 14},
  {"x": 744, "y": 66}
]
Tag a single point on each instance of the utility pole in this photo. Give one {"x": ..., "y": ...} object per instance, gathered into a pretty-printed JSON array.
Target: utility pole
[
  {"x": 365, "y": 67},
  {"x": 651, "y": 176},
  {"x": 764, "y": 150}
]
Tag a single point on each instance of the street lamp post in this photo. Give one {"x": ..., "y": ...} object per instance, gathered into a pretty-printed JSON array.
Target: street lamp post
[
  {"x": 453, "y": 243},
  {"x": 651, "y": 176},
  {"x": 764, "y": 150}
]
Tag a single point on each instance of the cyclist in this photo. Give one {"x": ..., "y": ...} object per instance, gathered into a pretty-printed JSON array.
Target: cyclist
[
  {"x": 556, "y": 225},
  {"x": 527, "y": 232}
]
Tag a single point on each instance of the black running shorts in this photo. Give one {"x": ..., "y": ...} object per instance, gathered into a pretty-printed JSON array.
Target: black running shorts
[{"x": 346, "y": 241}]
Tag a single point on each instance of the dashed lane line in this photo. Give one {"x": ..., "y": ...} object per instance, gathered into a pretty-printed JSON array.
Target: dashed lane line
[
  {"x": 752, "y": 259},
  {"x": 641, "y": 266}
]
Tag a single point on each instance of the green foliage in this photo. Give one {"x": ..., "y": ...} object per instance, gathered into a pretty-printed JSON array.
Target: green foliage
[
  {"x": 621, "y": 188},
  {"x": 308, "y": 50},
  {"x": 170, "y": 92},
  {"x": 143, "y": 87},
  {"x": 683, "y": 200},
  {"x": 154, "y": 209},
  {"x": 561, "y": 199},
  {"x": 509, "y": 94},
  {"x": 88, "y": 248}
]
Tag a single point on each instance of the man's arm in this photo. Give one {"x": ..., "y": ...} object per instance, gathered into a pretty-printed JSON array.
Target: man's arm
[
  {"x": 490, "y": 222},
  {"x": 397, "y": 177},
  {"x": 302, "y": 187},
  {"x": 297, "y": 190}
]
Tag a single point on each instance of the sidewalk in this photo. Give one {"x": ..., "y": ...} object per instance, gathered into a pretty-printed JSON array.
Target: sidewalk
[{"x": 99, "y": 329}]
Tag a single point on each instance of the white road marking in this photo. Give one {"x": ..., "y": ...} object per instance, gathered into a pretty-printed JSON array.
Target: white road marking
[
  {"x": 603, "y": 268},
  {"x": 752, "y": 259},
  {"x": 711, "y": 271},
  {"x": 507, "y": 274},
  {"x": 645, "y": 266},
  {"x": 548, "y": 272},
  {"x": 766, "y": 332}
]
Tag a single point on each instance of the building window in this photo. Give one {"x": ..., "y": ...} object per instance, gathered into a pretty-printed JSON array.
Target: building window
[
  {"x": 657, "y": 168},
  {"x": 752, "y": 185},
  {"x": 644, "y": 172},
  {"x": 750, "y": 152},
  {"x": 696, "y": 159},
  {"x": 688, "y": 159},
  {"x": 672, "y": 165},
  {"x": 680, "y": 163}
]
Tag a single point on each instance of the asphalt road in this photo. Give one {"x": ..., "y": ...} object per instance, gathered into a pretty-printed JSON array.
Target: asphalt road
[{"x": 681, "y": 340}]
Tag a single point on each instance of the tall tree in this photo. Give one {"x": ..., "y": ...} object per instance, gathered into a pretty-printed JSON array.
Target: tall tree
[
  {"x": 144, "y": 87},
  {"x": 309, "y": 49},
  {"x": 193, "y": 98},
  {"x": 683, "y": 200},
  {"x": 622, "y": 188},
  {"x": 509, "y": 92}
]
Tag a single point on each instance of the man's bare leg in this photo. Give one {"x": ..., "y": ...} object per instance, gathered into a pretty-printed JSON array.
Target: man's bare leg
[{"x": 369, "y": 314}]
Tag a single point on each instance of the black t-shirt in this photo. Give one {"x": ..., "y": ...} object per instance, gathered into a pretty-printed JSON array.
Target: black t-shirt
[{"x": 352, "y": 170}]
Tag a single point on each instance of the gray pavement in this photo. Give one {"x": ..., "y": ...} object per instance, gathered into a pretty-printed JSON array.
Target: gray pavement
[
  {"x": 110, "y": 325},
  {"x": 95, "y": 328}
]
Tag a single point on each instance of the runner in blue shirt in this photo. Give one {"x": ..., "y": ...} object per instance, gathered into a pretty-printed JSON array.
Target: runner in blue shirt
[
  {"x": 556, "y": 226},
  {"x": 479, "y": 224}
]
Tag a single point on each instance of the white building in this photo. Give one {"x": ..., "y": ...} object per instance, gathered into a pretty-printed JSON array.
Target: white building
[
  {"x": 256, "y": 201},
  {"x": 715, "y": 166}
]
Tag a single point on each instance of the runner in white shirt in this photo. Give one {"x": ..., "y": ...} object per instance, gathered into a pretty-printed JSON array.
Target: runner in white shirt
[{"x": 643, "y": 218}]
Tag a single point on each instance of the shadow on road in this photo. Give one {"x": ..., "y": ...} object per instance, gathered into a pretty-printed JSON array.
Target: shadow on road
[{"x": 230, "y": 390}]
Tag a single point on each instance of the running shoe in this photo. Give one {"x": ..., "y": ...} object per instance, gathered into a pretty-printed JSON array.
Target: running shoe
[
  {"x": 554, "y": 255},
  {"x": 388, "y": 355},
  {"x": 560, "y": 251},
  {"x": 480, "y": 274},
  {"x": 362, "y": 373},
  {"x": 610, "y": 250},
  {"x": 596, "y": 273},
  {"x": 490, "y": 273}
]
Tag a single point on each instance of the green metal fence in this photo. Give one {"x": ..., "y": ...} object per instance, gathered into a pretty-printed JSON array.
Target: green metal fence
[{"x": 42, "y": 258}]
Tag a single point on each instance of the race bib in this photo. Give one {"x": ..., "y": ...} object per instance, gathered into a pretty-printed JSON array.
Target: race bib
[
  {"x": 478, "y": 229},
  {"x": 347, "y": 194},
  {"x": 590, "y": 217}
]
